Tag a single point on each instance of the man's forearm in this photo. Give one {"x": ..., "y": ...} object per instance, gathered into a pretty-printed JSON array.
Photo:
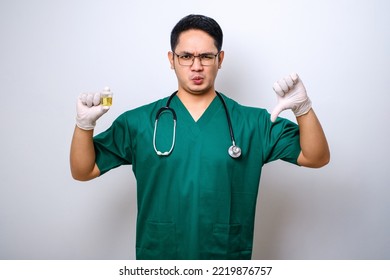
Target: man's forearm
[
  {"x": 315, "y": 150},
  {"x": 82, "y": 155}
]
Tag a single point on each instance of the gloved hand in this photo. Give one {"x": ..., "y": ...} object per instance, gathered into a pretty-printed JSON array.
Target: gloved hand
[
  {"x": 89, "y": 110},
  {"x": 292, "y": 95}
]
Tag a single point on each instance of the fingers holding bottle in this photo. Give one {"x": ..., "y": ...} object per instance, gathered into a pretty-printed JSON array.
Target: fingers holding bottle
[{"x": 91, "y": 106}]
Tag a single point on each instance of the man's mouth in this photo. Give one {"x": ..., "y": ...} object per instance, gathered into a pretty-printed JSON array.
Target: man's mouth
[{"x": 197, "y": 80}]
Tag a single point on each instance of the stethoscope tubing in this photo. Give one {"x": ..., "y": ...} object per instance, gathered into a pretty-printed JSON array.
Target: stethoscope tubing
[{"x": 234, "y": 151}]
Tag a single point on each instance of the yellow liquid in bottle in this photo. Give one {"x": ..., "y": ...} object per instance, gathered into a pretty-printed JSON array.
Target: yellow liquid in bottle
[{"x": 106, "y": 100}]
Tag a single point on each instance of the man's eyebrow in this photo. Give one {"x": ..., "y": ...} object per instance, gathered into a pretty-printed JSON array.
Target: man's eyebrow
[{"x": 190, "y": 53}]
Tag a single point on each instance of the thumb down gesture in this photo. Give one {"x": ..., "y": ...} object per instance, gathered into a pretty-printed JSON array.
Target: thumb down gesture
[{"x": 291, "y": 94}]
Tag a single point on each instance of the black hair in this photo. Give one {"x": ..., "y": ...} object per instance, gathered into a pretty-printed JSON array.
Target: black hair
[{"x": 197, "y": 22}]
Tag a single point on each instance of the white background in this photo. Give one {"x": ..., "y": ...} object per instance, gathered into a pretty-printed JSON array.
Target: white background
[{"x": 50, "y": 51}]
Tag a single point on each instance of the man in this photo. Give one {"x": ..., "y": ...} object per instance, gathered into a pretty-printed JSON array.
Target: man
[{"x": 196, "y": 196}]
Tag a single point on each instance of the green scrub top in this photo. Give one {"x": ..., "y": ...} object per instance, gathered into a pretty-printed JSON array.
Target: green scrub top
[{"x": 198, "y": 202}]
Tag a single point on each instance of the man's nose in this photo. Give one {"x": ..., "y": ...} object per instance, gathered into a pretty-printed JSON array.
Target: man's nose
[{"x": 197, "y": 63}]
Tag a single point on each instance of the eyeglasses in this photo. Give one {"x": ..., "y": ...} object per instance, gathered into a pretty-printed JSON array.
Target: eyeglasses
[{"x": 206, "y": 59}]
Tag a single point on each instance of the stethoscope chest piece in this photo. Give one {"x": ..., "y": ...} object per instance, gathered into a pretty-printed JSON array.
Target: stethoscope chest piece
[{"x": 234, "y": 151}]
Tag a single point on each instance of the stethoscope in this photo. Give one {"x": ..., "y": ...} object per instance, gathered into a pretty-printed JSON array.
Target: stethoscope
[{"x": 234, "y": 151}]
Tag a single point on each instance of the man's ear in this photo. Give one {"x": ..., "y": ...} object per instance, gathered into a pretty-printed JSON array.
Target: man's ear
[
  {"x": 171, "y": 60},
  {"x": 220, "y": 59}
]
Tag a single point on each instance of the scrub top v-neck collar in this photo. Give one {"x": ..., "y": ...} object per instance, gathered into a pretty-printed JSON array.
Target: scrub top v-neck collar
[{"x": 204, "y": 119}]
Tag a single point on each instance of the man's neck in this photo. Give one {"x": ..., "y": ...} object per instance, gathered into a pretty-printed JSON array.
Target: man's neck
[{"x": 196, "y": 104}]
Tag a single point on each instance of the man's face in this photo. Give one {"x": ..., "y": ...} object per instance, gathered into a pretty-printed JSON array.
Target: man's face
[{"x": 196, "y": 78}]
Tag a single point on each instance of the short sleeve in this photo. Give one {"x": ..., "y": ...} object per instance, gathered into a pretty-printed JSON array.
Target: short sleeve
[
  {"x": 113, "y": 147},
  {"x": 282, "y": 141}
]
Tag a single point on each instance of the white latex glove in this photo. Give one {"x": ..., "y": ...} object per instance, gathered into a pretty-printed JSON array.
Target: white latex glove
[
  {"x": 292, "y": 95},
  {"x": 89, "y": 110}
]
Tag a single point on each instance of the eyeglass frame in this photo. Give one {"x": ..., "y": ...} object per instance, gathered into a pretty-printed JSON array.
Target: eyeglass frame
[{"x": 197, "y": 56}]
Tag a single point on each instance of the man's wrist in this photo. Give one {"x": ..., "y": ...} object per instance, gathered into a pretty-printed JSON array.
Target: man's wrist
[
  {"x": 303, "y": 108},
  {"x": 85, "y": 126}
]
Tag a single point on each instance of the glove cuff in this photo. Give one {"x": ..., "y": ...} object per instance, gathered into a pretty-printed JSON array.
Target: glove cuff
[
  {"x": 85, "y": 125},
  {"x": 303, "y": 108}
]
